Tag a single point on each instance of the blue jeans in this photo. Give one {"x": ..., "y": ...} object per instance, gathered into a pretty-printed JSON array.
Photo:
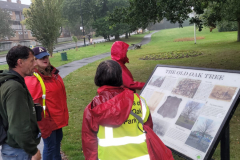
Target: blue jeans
[
  {"x": 51, "y": 149},
  {"x": 10, "y": 153}
]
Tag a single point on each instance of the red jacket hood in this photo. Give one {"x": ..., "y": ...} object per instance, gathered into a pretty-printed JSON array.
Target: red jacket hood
[
  {"x": 119, "y": 52},
  {"x": 54, "y": 71},
  {"x": 113, "y": 112}
]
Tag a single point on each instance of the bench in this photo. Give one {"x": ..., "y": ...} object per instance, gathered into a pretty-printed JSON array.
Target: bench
[{"x": 136, "y": 46}]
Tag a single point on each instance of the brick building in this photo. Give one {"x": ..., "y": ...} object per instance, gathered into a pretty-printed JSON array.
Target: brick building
[{"x": 22, "y": 35}]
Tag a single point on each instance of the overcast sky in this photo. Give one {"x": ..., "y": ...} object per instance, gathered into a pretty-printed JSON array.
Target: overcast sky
[
  {"x": 23, "y": 1},
  {"x": 26, "y": 2}
]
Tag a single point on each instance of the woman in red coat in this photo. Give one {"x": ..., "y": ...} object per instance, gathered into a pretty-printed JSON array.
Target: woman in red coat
[
  {"x": 111, "y": 107},
  {"x": 56, "y": 114},
  {"x": 119, "y": 53}
]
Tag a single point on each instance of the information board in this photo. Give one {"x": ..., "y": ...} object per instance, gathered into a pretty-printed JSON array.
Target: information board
[{"x": 191, "y": 106}]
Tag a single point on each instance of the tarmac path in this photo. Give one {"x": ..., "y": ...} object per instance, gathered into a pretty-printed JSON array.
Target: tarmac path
[{"x": 66, "y": 69}]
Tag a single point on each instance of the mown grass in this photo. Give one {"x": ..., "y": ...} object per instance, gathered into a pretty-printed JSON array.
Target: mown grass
[
  {"x": 89, "y": 51},
  {"x": 3, "y": 52},
  {"x": 220, "y": 51}
]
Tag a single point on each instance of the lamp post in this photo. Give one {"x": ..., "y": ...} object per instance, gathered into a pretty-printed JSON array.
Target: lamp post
[{"x": 82, "y": 24}]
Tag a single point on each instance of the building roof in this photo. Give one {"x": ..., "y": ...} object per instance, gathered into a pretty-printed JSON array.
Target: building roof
[{"x": 12, "y": 6}]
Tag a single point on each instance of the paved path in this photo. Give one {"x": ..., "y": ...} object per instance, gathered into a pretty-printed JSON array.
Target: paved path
[{"x": 66, "y": 69}]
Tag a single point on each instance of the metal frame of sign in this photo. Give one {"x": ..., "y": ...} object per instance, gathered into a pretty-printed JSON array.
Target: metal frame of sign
[{"x": 226, "y": 120}]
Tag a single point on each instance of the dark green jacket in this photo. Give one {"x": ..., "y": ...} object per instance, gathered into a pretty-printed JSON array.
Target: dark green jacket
[{"x": 18, "y": 113}]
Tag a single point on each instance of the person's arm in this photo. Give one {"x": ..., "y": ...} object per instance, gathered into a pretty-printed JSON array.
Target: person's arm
[
  {"x": 149, "y": 121},
  {"x": 89, "y": 138},
  {"x": 37, "y": 156},
  {"x": 128, "y": 80},
  {"x": 19, "y": 127}
]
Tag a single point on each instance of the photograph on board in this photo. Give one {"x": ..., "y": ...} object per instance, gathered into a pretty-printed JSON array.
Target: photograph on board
[
  {"x": 223, "y": 93},
  {"x": 186, "y": 87},
  {"x": 202, "y": 133},
  {"x": 159, "y": 126},
  {"x": 169, "y": 109},
  {"x": 189, "y": 114},
  {"x": 154, "y": 101}
]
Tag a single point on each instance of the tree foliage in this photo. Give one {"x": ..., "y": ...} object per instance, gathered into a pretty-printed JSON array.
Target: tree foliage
[
  {"x": 144, "y": 12},
  {"x": 44, "y": 19},
  {"x": 95, "y": 14},
  {"x": 74, "y": 38},
  {"x": 220, "y": 12},
  {"x": 5, "y": 26},
  {"x": 78, "y": 11}
]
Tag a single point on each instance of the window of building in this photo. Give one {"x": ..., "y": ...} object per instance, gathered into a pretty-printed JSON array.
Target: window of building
[
  {"x": 10, "y": 12},
  {"x": 20, "y": 33}
]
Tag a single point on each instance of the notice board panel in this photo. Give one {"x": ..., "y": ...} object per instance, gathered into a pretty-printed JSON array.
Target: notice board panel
[{"x": 191, "y": 107}]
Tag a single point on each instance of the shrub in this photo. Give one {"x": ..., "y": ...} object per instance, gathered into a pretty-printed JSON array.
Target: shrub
[{"x": 227, "y": 26}]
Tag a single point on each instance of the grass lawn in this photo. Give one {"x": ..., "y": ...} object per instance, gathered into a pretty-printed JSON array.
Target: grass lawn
[
  {"x": 3, "y": 52},
  {"x": 220, "y": 50},
  {"x": 88, "y": 51}
]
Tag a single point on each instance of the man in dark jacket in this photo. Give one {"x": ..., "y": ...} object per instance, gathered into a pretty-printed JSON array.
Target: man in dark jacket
[{"x": 17, "y": 107}]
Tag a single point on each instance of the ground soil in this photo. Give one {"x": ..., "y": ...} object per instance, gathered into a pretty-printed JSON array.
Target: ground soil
[{"x": 187, "y": 39}]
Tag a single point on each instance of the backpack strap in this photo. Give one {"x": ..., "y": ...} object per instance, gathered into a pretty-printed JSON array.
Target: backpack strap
[
  {"x": 137, "y": 117},
  {"x": 43, "y": 90}
]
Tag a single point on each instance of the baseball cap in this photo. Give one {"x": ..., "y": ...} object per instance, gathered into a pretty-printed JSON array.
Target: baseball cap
[{"x": 40, "y": 52}]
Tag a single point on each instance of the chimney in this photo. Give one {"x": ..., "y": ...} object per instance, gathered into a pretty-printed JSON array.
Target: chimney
[
  {"x": 9, "y": 0},
  {"x": 18, "y": 1}
]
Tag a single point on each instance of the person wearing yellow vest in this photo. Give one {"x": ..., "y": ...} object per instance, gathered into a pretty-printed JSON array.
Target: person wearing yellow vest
[
  {"x": 47, "y": 88},
  {"x": 109, "y": 130}
]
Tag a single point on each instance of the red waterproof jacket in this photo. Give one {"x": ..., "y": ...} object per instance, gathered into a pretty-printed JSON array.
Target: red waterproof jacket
[
  {"x": 119, "y": 54},
  {"x": 110, "y": 108},
  {"x": 56, "y": 101}
]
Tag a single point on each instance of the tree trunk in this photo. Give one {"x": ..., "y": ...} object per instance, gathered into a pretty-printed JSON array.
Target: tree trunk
[
  {"x": 50, "y": 49},
  {"x": 129, "y": 35},
  {"x": 126, "y": 35},
  {"x": 76, "y": 47},
  {"x": 238, "y": 37},
  {"x": 117, "y": 37}
]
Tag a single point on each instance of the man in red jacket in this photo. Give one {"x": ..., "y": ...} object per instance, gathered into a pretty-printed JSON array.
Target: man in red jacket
[{"x": 119, "y": 53}]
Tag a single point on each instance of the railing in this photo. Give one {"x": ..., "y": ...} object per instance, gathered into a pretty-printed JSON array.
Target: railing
[
  {"x": 16, "y": 27},
  {"x": 21, "y": 36},
  {"x": 56, "y": 51}
]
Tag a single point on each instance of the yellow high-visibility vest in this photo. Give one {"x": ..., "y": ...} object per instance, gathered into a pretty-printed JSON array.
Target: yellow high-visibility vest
[
  {"x": 43, "y": 91},
  {"x": 127, "y": 141}
]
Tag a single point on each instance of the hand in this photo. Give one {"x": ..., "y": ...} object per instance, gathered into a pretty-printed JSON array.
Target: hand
[
  {"x": 37, "y": 104},
  {"x": 37, "y": 156}
]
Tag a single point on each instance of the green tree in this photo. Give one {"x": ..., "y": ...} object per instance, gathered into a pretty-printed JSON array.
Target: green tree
[
  {"x": 228, "y": 10},
  {"x": 74, "y": 38},
  {"x": 5, "y": 26},
  {"x": 75, "y": 10},
  {"x": 146, "y": 12},
  {"x": 103, "y": 26},
  {"x": 44, "y": 18},
  {"x": 95, "y": 14}
]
